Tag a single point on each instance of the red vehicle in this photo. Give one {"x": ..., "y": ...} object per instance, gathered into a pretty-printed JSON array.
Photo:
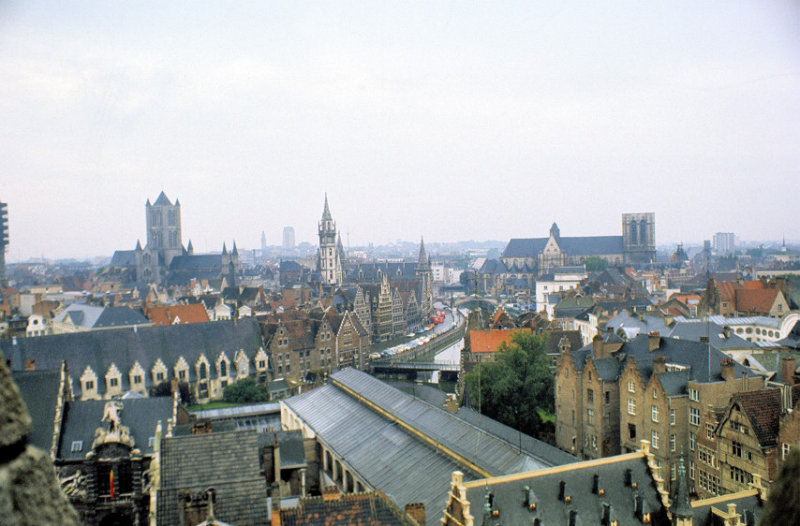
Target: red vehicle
[{"x": 437, "y": 317}]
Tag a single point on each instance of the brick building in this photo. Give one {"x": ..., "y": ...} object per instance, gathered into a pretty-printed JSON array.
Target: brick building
[{"x": 613, "y": 394}]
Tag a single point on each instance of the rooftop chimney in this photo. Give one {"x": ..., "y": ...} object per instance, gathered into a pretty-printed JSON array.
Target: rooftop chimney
[
  {"x": 416, "y": 510},
  {"x": 726, "y": 369},
  {"x": 786, "y": 398},
  {"x": 30, "y": 364},
  {"x": 597, "y": 347},
  {"x": 653, "y": 341},
  {"x": 660, "y": 364},
  {"x": 788, "y": 368}
]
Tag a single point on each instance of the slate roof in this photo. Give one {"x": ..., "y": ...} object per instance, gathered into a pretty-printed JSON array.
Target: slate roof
[
  {"x": 123, "y": 258},
  {"x": 93, "y": 317},
  {"x": 693, "y": 355},
  {"x": 140, "y": 415},
  {"x": 524, "y": 247},
  {"x": 633, "y": 326},
  {"x": 39, "y": 390},
  {"x": 360, "y": 509},
  {"x": 124, "y": 347},
  {"x": 493, "y": 266},
  {"x": 228, "y": 462},
  {"x": 196, "y": 263},
  {"x": 614, "y": 476},
  {"x": 748, "y": 504},
  {"x": 591, "y": 245},
  {"x": 695, "y": 329}
]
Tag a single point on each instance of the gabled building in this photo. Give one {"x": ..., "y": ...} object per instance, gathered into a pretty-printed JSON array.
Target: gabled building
[{"x": 612, "y": 395}]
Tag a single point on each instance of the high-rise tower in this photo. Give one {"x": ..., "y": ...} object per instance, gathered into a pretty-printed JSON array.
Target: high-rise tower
[
  {"x": 3, "y": 241},
  {"x": 330, "y": 265}
]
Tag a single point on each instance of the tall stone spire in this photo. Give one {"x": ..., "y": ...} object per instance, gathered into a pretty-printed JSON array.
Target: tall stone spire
[
  {"x": 326, "y": 213},
  {"x": 422, "y": 260}
]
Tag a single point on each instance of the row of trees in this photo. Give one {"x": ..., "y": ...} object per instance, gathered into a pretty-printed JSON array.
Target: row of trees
[{"x": 517, "y": 387}]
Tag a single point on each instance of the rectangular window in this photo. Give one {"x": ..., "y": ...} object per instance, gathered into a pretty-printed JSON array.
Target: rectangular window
[
  {"x": 631, "y": 406},
  {"x": 77, "y": 446},
  {"x": 736, "y": 448},
  {"x": 655, "y": 394},
  {"x": 654, "y": 413},
  {"x": 672, "y": 442},
  {"x": 706, "y": 456},
  {"x": 590, "y": 396},
  {"x": 691, "y": 441},
  {"x": 654, "y": 441},
  {"x": 631, "y": 387},
  {"x": 608, "y": 396},
  {"x": 691, "y": 469},
  {"x": 182, "y": 374},
  {"x": 113, "y": 382},
  {"x": 708, "y": 482},
  {"x": 741, "y": 476},
  {"x": 89, "y": 385},
  {"x": 262, "y": 364},
  {"x": 137, "y": 379},
  {"x": 672, "y": 474},
  {"x": 631, "y": 431},
  {"x": 785, "y": 449},
  {"x": 710, "y": 431},
  {"x": 159, "y": 377},
  {"x": 672, "y": 417},
  {"x": 694, "y": 395},
  {"x": 694, "y": 416},
  {"x": 590, "y": 416}
]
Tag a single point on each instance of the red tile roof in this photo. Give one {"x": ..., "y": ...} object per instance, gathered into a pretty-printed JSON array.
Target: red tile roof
[
  {"x": 489, "y": 341},
  {"x": 165, "y": 315},
  {"x": 755, "y": 301},
  {"x": 763, "y": 408}
]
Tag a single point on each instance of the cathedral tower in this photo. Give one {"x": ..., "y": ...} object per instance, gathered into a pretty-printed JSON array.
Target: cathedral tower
[
  {"x": 164, "y": 228},
  {"x": 639, "y": 237},
  {"x": 330, "y": 264}
]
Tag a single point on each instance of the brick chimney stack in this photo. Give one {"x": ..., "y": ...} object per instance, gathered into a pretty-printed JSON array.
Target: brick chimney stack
[
  {"x": 653, "y": 341},
  {"x": 416, "y": 510},
  {"x": 726, "y": 369},
  {"x": 659, "y": 364},
  {"x": 788, "y": 368},
  {"x": 598, "y": 349}
]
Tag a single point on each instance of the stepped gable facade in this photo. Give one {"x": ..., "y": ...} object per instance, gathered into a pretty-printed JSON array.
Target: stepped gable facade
[
  {"x": 110, "y": 363},
  {"x": 613, "y": 394}
]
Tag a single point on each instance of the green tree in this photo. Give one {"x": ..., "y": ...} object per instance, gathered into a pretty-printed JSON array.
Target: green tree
[
  {"x": 595, "y": 264},
  {"x": 244, "y": 391},
  {"x": 517, "y": 385},
  {"x": 783, "y": 504}
]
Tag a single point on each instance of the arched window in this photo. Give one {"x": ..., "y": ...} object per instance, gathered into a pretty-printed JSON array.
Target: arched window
[
  {"x": 634, "y": 233},
  {"x": 223, "y": 368},
  {"x": 203, "y": 371},
  {"x": 643, "y": 232}
]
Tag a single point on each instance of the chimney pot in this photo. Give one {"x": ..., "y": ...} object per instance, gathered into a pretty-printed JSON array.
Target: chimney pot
[
  {"x": 788, "y": 368},
  {"x": 653, "y": 341}
]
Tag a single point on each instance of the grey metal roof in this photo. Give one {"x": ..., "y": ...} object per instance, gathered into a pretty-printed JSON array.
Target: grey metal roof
[
  {"x": 524, "y": 247},
  {"x": 94, "y": 317},
  {"x": 485, "y": 450},
  {"x": 377, "y": 450},
  {"x": 694, "y": 329},
  {"x": 238, "y": 411}
]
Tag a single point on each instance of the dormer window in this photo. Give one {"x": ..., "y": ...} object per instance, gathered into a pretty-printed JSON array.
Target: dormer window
[
  {"x": 77, "y": 446},
  {"x": 113, "y": 382},
  {"x": 89, "y": 385}
]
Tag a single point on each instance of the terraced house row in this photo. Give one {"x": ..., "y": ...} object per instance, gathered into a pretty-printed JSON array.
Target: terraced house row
[{"x": 206, "y": 356}]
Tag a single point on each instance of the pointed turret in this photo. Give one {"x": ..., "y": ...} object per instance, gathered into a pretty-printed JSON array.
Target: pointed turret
[
  {"x": 138, "y": 246},
  {"x": 340, "y": 250},
  {"x": 190, "y": 247},
  {"x": 224, "y": 249},
  {"x": 326, "y": 213},
  {"x": 234, "y": 252},
  {"x": 554, "y": 231},
  {"x": 681, "y": 508},
  {"x": 422, "y": 260}
]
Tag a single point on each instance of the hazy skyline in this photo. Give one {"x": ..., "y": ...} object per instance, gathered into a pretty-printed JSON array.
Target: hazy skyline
[{"x": 452, "y": 120}]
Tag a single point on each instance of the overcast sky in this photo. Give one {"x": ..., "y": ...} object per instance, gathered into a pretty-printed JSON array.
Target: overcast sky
[{"x": 453, "y": 120}]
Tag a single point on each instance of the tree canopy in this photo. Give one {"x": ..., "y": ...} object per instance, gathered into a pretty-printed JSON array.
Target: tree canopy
[
  {"x": 783, "y": 504},
  {"x": 517, "y": 385},
  {"x": 244, "y": 391},
  {"x": 595, "y": 263}
]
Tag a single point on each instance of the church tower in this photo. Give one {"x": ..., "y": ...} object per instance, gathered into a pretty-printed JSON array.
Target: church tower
[
  {"x": 330, "y": 265},
  {"x": 425, "y": 277},
  {"x": 163, "y": 235},
  {"x": 639, "y": 237}
]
